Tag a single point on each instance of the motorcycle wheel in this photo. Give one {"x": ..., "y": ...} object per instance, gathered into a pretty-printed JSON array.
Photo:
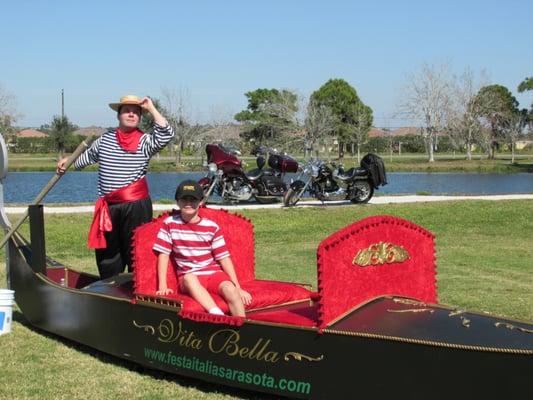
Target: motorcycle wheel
[
  {"x": 266, "y": 199},
  {"x": 290, "y": 198},
  {"x": 363, "y": 191}
]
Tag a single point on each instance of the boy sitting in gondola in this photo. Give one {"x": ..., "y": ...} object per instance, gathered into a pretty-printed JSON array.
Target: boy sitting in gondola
[{"x": 200, "y": 254}]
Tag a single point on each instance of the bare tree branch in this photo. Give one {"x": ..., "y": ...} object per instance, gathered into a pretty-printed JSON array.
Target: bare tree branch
[{"x": 426, "y": 98}]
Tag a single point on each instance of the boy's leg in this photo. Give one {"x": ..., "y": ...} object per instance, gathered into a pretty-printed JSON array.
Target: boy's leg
[
  {"x": 191, "y": 285},
  {"x": 230, "y": 293}
]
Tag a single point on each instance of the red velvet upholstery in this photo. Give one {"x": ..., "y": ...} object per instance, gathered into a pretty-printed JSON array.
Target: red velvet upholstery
[
  {"x": 238, "y": 233},
  {"x": 300, "y": 315},
  {"x": 343, "y": 285}
]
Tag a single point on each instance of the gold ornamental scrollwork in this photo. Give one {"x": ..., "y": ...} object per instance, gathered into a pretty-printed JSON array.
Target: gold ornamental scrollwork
[
  {"x": 464, "y": 321},
  {"x": 412, "y": 310},
  {"x": 147, "y": 328},
  {"x": 166, "y": 331},
  {"x": 379, "y": 254},
  {"x": 511, "y": 327},
  {"x": 301, "y": 357},
  {"x": 408, "y": 302}
]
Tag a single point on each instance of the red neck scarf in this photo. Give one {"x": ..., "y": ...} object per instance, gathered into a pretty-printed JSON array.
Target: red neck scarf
[{"x": 129, "y": 141}]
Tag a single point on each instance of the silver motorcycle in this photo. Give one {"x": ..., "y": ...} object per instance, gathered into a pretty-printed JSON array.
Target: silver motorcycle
[{"x": 329, "y": 182}]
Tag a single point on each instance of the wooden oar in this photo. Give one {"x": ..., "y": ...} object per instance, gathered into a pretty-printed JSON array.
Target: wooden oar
[{"x": 80, "y": 149}]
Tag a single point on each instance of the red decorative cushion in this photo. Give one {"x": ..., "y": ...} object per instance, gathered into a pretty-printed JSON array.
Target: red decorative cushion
[{"x": 343, "y": 284}]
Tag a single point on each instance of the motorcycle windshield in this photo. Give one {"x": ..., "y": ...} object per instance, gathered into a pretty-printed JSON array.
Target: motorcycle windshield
[{"x": 215, "y": 154}]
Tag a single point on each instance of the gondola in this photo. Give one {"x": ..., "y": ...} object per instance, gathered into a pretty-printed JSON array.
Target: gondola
[{"x": 372, "y": 329}]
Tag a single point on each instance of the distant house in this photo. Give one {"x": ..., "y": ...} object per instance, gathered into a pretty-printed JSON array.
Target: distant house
[
  {"x": 381, "y": 132},
  {"x": 522, "y": 144},
  {"x": 90, "y": 130},
  {"x": 31, "y": 133},
  {"x": 377, "y": 132},
  {"x": 406, "y": 131}
]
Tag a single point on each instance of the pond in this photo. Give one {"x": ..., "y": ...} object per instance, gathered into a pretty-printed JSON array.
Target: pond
[{"x": 79, "y": 187}]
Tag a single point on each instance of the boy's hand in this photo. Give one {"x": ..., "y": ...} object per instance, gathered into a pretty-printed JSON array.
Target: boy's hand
[
  {"x": 164, "y": 291},
  {"x": 246, "y": 297}
]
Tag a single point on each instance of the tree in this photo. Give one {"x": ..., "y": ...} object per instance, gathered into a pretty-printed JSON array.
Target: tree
[
  {"x": 61, "y": 133},
  {"x": 176, "y": 112},
  {"x": 517, "y": 121},
  {"x": 8, "y": 115},
  {"x": 525, "y": 85},
  {"x": 270, "y": 114},
  {"x": 363, "y": 123},
  {"x": 319, "y": 124},
  {"x": 426, "y": 98},
  {"x": 349, "y": 111},
  {"x": 462, "y": 124},
  {"x": 494, "y": 105}
]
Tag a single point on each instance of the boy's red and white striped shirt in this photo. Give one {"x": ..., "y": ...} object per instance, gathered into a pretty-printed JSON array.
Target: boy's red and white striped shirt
[{"x": 194, "y": 247}]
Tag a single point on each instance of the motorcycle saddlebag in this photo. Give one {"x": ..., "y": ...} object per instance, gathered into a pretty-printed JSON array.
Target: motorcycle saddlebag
[
  {"x": 376, "y": 169},
  {"x": 283, "y": 163},
  {"x": 274, "y": 185}
]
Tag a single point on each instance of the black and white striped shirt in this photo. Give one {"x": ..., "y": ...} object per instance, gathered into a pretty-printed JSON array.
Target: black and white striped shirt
[{"x": 118, "y": 168}]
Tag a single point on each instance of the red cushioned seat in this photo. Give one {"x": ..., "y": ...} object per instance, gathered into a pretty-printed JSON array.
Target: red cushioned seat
[{"x": 238, "y": 233}]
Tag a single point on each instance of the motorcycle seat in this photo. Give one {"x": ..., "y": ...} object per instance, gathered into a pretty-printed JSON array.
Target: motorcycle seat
[
  {"x": 254, "y": 174},
  {"x": 351, "y": 173}
]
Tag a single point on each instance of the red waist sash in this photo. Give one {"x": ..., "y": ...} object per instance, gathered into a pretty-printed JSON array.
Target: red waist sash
[{"x": 137, "y": 190}]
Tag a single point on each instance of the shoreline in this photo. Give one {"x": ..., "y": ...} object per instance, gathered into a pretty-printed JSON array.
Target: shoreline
[{"x": 71, "y": 209}]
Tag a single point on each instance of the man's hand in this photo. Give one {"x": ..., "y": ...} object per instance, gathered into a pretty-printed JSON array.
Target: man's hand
[
  {"x": 147, "y": 104},
  {"x": 60, "y": 168},
  {"x": 245, "y": 296},
  {"x": 164, "y": 291}
]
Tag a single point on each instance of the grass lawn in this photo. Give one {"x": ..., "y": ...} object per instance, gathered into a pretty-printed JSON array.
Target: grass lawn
[
  {"x": 404, "y": 163},
  {"x": 484, "y": 259}
]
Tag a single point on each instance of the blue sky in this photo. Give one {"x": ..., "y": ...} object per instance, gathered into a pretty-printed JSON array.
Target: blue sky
[{"x": 218, "y": 50}]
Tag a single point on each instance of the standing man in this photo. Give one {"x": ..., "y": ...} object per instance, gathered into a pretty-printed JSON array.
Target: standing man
[{"x": 123, "y": 201}]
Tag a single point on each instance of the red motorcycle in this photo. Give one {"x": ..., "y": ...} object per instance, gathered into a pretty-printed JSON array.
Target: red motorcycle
[{"x": 227, "y": 178}]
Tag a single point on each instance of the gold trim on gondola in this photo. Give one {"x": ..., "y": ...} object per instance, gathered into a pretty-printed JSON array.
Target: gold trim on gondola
[
  {"x": 380, "y": 253},
  {"x": 511, "y": 327},
  {"x": 147, "y": 328},
  {"x": 408, "y": 301},
  {"x": 430, "y": 342},
  {"x": 412, "y": 310},
  {"x": 159, "y": 302},
  {"x": 301, "y": 357},
  {"x": 464, "y": 321}
]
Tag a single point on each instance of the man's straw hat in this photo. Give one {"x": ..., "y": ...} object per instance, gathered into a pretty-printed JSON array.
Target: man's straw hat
[{"x": 128, "y": 99}]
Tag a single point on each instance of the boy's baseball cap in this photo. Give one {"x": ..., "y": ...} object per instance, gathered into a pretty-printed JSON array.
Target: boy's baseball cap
[{"x": 189, "y": 188}]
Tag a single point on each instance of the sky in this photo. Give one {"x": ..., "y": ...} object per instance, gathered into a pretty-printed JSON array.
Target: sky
[{"x": 213, "y": 52}]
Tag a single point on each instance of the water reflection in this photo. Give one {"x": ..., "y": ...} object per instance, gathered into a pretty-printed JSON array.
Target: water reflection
[{"x": 77, "y": 187}]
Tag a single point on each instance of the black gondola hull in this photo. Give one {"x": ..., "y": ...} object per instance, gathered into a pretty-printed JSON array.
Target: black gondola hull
[{"x": 272, "y": 358}]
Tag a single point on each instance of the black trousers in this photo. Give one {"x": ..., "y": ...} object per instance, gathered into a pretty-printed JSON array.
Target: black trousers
[{"x": 126, "y": 217}]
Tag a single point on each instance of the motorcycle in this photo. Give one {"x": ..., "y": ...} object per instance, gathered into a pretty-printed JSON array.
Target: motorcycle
[
  {"x": 330, "y": 182},
  {"x": 227, "y": 178}
]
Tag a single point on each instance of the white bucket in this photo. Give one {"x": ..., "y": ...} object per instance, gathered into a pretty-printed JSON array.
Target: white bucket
[{"x": 6, "y": 310}]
